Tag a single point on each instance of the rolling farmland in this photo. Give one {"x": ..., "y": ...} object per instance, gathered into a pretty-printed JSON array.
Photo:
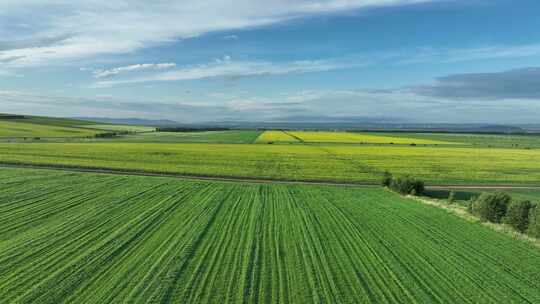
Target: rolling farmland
[
  {"x": 343, "y": 137},
  {"x": 479, "y": 140},
  {"x": 276, "y": 136},
  {"x": 71, "y": 237},
  {"x": 23, "y": 128},
  {"x": 225, "y": 137},
  {"x": 334, "y": 163},
  {"x": 127, "y": 128}
]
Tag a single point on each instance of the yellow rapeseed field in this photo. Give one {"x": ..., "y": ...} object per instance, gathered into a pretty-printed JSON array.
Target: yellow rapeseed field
[{"x": 342, "y": 137}]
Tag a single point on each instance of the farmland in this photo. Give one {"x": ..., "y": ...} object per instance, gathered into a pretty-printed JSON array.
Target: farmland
[
  {"x": 119, "y": 128},
  {"x": 477, "y": 140},
  {"x": 85, "y": 238},
  {"x": 334, "y": 163},
  {"x": 343, "y": 137},
  {"x": 226, "y": 137},
  {"x": 29, "y": 128}
]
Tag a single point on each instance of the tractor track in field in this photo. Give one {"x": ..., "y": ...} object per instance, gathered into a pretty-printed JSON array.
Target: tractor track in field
[{"x": 249, "y": 180}]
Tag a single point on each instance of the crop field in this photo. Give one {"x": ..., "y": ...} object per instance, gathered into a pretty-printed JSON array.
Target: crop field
[
  {"x": 50, "y": 121},
  {"x": 85, "y": 238},
  {"x": 276, "y": 136},
  {"x": 226, "y": 137},
  {"x": 22, "y": 128},
  {"x": 127, "y": 128},
  {"x": 481, "y": 140},
  {"x": 343, "y": 137},
  {"x": 436, "y": 165}
]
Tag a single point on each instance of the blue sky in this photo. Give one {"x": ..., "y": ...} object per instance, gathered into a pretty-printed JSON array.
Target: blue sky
[{"x": 384, "y": 60}]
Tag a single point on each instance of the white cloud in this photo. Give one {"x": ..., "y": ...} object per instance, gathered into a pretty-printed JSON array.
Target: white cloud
[
  {"x": 228, "y": 68},
  {"x": 230, "y": 37},
  {"x": 62, "y": 29},
  {"x": 487, "y": 52},
  {"x": 132, "y": 68}
]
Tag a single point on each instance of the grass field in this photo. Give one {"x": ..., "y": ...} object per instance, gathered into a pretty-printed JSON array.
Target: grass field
[
  {"x": 84, "y": 238},
  {"x": 436, "y": 165},
  {"x": 29, "y": 128},
  {"x": 343, "y": 137}
]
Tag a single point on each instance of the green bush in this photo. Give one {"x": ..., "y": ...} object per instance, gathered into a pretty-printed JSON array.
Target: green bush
[
  {"x": 491, "y": 207},
  {"x": 387, "y": 179},
  {"x": 470, "y": 203},
  {"x": 451, "y": 197},
  {"x": 517, "y": 215},
  {"x": 407, "y": 185},
  {"x": 534, "y": 222}
]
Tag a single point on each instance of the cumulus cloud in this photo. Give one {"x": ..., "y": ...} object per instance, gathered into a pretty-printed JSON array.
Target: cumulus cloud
[{"x": 62, "y": 29}]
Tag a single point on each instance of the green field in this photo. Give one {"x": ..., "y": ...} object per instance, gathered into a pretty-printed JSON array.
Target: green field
[
  {"x": 85, "y": 238},
  {"x": 343, "y": 137},
  {"x": 32, "y": 127},
  {"x": 440, "y": 165},
  {"x": 479, "y": 140},
  {"x": 218, "y": 137},
  {"x": 120, "y": 128},
  {"x": 28, "y": 129}
]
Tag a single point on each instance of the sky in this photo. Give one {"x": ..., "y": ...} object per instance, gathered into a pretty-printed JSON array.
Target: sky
[{"x": 400, "y": 61}]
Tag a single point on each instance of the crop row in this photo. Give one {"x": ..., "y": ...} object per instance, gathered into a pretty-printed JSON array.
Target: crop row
[{"x": 85, "y": 238}]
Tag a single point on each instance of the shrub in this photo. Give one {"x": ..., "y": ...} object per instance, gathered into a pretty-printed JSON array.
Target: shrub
[
  {"x": 407, "y": 185},
  {"x": 517, "y": 215},
  {"x": 387, "y": 179},
  {"x": 491, "y": 207},
  {"x": 534, "y": 222},
  {"x": 470, "y": 203},
  {"x": 451, "y": 197}
]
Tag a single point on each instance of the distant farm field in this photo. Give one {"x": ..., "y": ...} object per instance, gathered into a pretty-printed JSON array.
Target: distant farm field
[
  {"x": 23, "y": 128},
  {"x": 85, "y": 238},
  {"x": 225, "y": 137},
  {"x": 343, "y": 137},
  {"x": 335, "y": 163},
  {"x": 127, "y": 128},
  {"x": 481, "y": 140}
]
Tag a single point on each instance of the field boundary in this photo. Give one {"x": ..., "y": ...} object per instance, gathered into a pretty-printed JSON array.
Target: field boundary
[
  {"x": 233, "y": 179},
  {"x": 182, "y": 176}
]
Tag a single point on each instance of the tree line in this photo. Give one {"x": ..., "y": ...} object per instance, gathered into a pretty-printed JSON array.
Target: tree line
[{"x": 498, "y": 207}]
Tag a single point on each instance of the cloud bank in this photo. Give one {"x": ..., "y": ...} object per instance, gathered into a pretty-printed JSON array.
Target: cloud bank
[
  {"x": 504, "y": 97},
  {"x": 514, "y": 84}
]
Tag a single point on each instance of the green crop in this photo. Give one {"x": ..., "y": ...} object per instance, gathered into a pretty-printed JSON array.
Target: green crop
[
  {"x": 25, "y": 128},
  {"x": 337, "y": 163},
  {"x": 86, "y": 238}
]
